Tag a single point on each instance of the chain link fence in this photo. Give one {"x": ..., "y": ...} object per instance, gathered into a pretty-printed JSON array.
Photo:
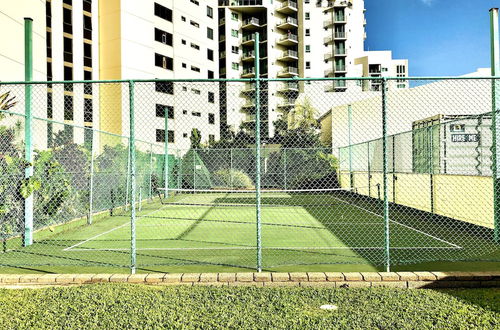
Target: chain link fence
[{"x": 142, "y": 174}]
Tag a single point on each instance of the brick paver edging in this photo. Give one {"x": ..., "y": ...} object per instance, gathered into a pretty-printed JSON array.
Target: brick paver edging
[{"x": 265, "y": 279}]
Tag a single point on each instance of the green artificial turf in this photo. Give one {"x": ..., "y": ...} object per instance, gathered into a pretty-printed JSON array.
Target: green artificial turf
[
  {"x": 108, "y": 306},
  {"x": 217, "y": 232}
]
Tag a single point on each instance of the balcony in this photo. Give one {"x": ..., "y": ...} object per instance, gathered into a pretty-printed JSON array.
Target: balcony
[
  {"x": 287, "y": 103},
  {"x": 251, "y": 24},
  {"x": 337, "y": 4},
  {"x": 250, "y": 118},
  {"x": 336, "y": 86},
  {"x": 288, "y": 23},
  {"x": 288, "y": 72},
  {"x": 240, "y": 2},
  {"x": 338, "y": 19},
  {"x": 340, "y": 35},
  {"x": 289, "y": 56},
  {"x": 248, "y": 72},
  {"x": 340, "y": 68},
  {"x": 248, "y": 40},
  {"x": 249, "y": 88},
  {"x": 222, "y": 21},
  {"x": 328, "y": 56},
  {"x": 288, "y": 7},
  {"x": 222, "y": 38},
  {"x": 248, "y": 56},
  {"x": 339, "y": 52},
  {"x": 288, "y": 87},
  {"x": 289, "y": 40},
  {"x": 222, "y": 54},
  {"x": 249, "y": 105}
]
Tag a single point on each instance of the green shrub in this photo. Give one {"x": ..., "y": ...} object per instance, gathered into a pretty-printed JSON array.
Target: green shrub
[{"x": 232, "y": 179}]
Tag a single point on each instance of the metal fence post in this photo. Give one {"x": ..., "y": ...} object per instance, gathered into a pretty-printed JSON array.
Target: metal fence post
[
  {"x": 257, "y": 147},
  {"x": 28, "y": 127},
  {"x": 91, "y": 192},
  {"x": 349, "y": 119},
  {"x": 495, "y": 91},
  {"x": 166, "y": 155},
  {"x": 127, "y": 192},
  {"x": 431, "y": 165},
  {"x": 151, "y": 172},
  {"x": 385, "y": 177},
  {"x": 284, "y": 166},
  {"x": 133, "y": 252},
  {"x": 369, "y": 171}
]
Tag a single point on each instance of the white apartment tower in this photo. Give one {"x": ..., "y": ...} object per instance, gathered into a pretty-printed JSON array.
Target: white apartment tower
[{"x": 163, "y": 39}]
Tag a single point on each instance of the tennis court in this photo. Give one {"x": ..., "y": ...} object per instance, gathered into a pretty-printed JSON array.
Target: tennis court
[{"x": 334, "y": 226}]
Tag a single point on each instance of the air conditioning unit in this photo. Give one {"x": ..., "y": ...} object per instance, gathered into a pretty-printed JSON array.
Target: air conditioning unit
[
  {"x": 164, "y": 38},
  {"x": 164, "y": 62}
]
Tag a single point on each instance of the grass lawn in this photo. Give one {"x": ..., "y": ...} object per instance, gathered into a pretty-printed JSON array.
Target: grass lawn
[
  {"x": 140, "y": 306},
  {"x": 216, "y": 232}
]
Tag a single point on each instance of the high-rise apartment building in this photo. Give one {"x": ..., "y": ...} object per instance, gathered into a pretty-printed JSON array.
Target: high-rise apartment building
[
  {"x": 297, "y": 39},
  {"x": 167, "y": 39},
  {"x": 162, "y": 39}
]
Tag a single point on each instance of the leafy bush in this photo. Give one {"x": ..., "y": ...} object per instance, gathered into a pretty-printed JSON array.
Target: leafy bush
[{"x": 232, "y": 179}]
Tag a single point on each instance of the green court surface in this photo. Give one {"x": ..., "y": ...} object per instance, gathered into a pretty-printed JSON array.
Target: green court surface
[{"x": 216, "y": 231}]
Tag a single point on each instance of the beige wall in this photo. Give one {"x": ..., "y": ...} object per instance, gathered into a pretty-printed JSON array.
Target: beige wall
[{"x": 465, "y": 198}]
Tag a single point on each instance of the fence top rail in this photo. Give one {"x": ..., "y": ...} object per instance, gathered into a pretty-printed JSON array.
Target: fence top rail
[{"x": 246, "y": 80}]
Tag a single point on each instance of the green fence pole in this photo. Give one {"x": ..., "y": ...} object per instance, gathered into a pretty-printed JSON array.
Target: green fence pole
[
  {"x": 369, "y": 171},
  {"x": 28, "y": 127},
  {"x": 133, "y": 251},
  {"x": 431, "y": 165},
  {"x": 349, "y": 122},
  {"x": 257, "y": 147},
  {"x": 495, "y": 71},
  {"x": 231, "y": 168},
  {"x": 385, "y": 177},
  {"x": 127, "y": 192},
  {"x": 151, "y": 172},
  {"x": 91, "y": 192},
  {"x": 165, "y": 167}
]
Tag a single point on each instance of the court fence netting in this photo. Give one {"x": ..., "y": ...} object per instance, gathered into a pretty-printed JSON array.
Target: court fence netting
[{"x": 256, "y": 173}]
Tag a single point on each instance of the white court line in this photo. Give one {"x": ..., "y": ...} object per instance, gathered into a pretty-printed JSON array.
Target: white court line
[
  {"x": 109, "y": 231},
  {"x": 273, "y": 248},
  {"x": 418, "y": 231}
]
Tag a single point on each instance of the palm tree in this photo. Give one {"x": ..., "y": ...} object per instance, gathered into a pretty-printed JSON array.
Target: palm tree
[
  {"x": 6, "y": 103},
  {"x": 303, "y": 116}
]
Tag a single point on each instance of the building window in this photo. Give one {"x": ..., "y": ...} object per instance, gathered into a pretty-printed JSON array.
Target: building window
[
  {"x": 210, "y": 74},
  {"x": 235, "y": 49},
  {"x": 210, "y": 54},
  {"x": 235, "y": 66},
  {"x": 211, "y": 97},
  {"x": 87, "y": 27},
  {"x": 195, "y": 2},
  {"x": 308, "y": 48},
  {"x": 183, "y": 18},
  {"x": 234, "y": 16},
  {"x": 87, "y": 5},
  {"x": 67, "y": 21},
  {"x": 308, "y": 32},
  {"x": 308, "y": 65},
  {"x": 161, "y": 109},
  {"x": 87, "y": 54},
  {"x": 68, "y": 73},
  {"x": 195, "y": 68},
  {"x": 184, "y": 65},
  {"x": 160, "y": 136},
  {"x": 195, "y": 24},
  {"x": 195, "y": 46},
  {"x": 210, "y": 12},
  {"x": 163, "y": 37},
  {"x": 211, "y": 118},
  {"x": 234, "y": 33},
  {"x": 183, "y": 41},
  {"x": 68, "y": 49},
  {"x": 163, "y": 12},
  {"x": 210, "y": 33},
  {"x": 196, "y": 113},
  {"x": 87, "y": 110},
  {"x": 166, "y": 87},
  {"x": 400, "y": 69},
  {"x": 211, "y": 138},
  {"x": 164, "y": 62},
  {"x": 185, "y": 135},
  {"x": 196, "y": 91},
  {"x": 68, "y": 107},
  {"x": 308, "y": 16}
]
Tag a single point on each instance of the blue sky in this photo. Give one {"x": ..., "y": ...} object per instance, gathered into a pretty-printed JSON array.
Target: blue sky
[{"x": 439, "y": 37}]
